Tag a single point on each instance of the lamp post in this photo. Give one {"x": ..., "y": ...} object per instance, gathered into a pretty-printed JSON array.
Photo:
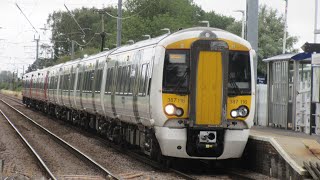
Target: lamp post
[
  {"x": 205, "y": 22},
  {"x": 316, "y": 30},
  {"x": 285, "y": 29},
  {"x": 243, "y": 21}
]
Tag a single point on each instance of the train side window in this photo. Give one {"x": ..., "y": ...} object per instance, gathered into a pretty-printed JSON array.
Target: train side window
[
  {"x": 124, "y": 79},
  {"x": 60, "y": 83},
  {"x": 143, "y": 79},
  {"x": 118, "y": 80},
  {"x": 98, "y": 80},
  {"x": 126, "y": 85},
  {"x": 72, "y": 81},
  {"x": 132, "y": 78},
  {"x": 79, "y": 80},
  {"x": 91, "y": 75},
  {"x": 87, "y": 76},
  {"x": 109, "y": 80},
  {"x": 83, "y": 85},
  {"x": 65, "y": 82}
]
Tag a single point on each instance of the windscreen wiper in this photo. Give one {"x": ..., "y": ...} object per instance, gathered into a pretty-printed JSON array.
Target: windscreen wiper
[
  {"x": 234, "y": 85},
  {"x": 180, "y": 81}
]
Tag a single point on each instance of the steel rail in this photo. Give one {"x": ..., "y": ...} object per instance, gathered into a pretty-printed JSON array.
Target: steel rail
[
  {"x": 17, "y": 100},
  {"x": 77, "y": 152},
  {"x": 43, "y": 164},
  {"x": 141, "y": 158}
]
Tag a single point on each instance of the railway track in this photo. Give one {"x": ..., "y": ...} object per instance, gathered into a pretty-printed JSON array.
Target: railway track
[
  {"x": 17, "y": 100},
  {"x": 232, "y": 173},
  {"x": 42, "y": 157}
]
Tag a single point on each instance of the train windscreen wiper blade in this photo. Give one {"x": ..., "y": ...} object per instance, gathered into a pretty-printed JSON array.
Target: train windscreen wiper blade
[
  {"x": 234, "y": 85},
  {"x": 180, "y": 81}
]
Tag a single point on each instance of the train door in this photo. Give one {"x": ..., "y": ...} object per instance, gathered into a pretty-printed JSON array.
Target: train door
[
  {"x": 94, "y": 85},
  {"x": 135, "y": 85},
  {"x": 209, "y": 65},
  {"x": 79, "y": 82},
  {"x": 46, "y": 81},
  {"x": 144, "y": 80},
  {"x": 70, "y": 84},
  {"x": 97, "y": 86}
]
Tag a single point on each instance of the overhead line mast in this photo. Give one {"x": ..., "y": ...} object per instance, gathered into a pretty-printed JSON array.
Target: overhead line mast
[
  {"x": 119, "y": 23},
  {"x": 103, "y": 33}
]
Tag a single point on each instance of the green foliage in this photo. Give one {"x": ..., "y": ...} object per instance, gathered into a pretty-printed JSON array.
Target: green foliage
[
  {"x": 149, "y": 17},
  {"x": 144, "y": 17},
  {"x": 9, "y": 81},
  {"x": 270, "y": 36}
]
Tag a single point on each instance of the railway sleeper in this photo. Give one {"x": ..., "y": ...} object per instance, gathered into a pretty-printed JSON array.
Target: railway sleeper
[{"x": 130, "y": 136}]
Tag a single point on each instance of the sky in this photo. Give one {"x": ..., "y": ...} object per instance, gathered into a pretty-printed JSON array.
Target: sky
[{"x": 18, "y": 48}]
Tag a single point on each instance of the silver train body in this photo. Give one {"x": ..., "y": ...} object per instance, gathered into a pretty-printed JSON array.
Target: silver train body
[{"x": 190, "y": 94}]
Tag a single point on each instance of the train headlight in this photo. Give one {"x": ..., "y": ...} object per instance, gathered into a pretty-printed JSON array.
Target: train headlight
[
  {"x": 243, "y": 111},
  {"x": 170, "y": 109},
  {"x": 234, "y": 113},
  {"x": 179, "y": 112}
]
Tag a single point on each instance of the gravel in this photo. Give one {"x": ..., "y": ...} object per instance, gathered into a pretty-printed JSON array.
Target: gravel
[
  {"x": 18, "y": 163},
  {"x": 59, "y": 160},
  {"x": 116, "y": 162}
]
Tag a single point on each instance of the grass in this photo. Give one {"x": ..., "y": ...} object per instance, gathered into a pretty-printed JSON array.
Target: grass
[{"x": 16, "y": 94}]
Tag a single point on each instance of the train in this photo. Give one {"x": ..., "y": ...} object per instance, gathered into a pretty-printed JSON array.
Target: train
[{"x": 188, "y": 94}]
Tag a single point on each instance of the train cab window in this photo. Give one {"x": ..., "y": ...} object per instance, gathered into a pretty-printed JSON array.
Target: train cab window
[
  {"x": 176, "y": 71},
  {"x": 143, "y": 79},
  {"x": 239, "y": 73}
]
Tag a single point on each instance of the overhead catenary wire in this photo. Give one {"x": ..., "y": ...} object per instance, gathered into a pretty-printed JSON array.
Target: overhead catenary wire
[
  {"x": 74, "y": 19},
  {"x": 128, "y": 17},
  {"x": 26, "y": 18}
]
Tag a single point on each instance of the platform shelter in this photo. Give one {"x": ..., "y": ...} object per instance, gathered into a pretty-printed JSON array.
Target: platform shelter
[{"x": 289, "y": 91}]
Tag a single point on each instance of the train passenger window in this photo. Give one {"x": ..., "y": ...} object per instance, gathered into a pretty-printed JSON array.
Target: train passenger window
[
  {"x": 132, "y": 78},
  {"x": 143, "y": 79},
  {"x": 125, "y": 77},
  {"x": 79, "y": 81},
  {"x": 109, "y": 80},
  {"x": 92, "y": 78},
  {"x": 127, "y": 80},
  {"x": 98, "y": 80},
  {"x": 73, "y": 76},
  {"x": 83, "y": 85},
  {"x": 118, "y": 80}
]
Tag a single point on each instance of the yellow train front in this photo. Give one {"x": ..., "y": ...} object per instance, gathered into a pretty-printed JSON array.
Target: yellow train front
[{"x": 202, "y": 94}]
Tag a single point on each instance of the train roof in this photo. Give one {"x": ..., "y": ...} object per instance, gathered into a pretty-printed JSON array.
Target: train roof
[{"x": 163, "y": 40}]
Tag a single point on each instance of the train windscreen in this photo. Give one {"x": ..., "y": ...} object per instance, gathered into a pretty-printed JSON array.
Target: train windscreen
[
  {"x": 239, "y": 73},
  {"x": 176, "y": 71}
]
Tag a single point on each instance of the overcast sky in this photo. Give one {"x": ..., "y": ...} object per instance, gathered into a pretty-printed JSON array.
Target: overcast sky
[{"x": 17, "y": 45}]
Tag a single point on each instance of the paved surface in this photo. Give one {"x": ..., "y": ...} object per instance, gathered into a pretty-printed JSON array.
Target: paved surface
[
  {"x": 283, "y": 132},
  {"x": 298, "y": 146}
]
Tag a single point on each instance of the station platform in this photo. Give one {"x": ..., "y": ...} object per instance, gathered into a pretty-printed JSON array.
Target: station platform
[{"x": 281, "y": 153}]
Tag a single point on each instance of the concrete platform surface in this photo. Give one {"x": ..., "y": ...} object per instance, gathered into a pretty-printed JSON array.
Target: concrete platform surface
[{"x": 294, "y": 147}]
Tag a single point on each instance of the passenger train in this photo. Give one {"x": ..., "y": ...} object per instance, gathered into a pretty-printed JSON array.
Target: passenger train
[{"x": 189, "y": 94}]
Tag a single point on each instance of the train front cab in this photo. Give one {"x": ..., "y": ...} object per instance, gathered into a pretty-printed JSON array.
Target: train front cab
[{"x": 207, "y": 97}]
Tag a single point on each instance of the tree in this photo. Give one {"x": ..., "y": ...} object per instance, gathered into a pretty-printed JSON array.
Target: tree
[
  {"x": 140, "y": 17},
  {"x": 270, "y": 36}
]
